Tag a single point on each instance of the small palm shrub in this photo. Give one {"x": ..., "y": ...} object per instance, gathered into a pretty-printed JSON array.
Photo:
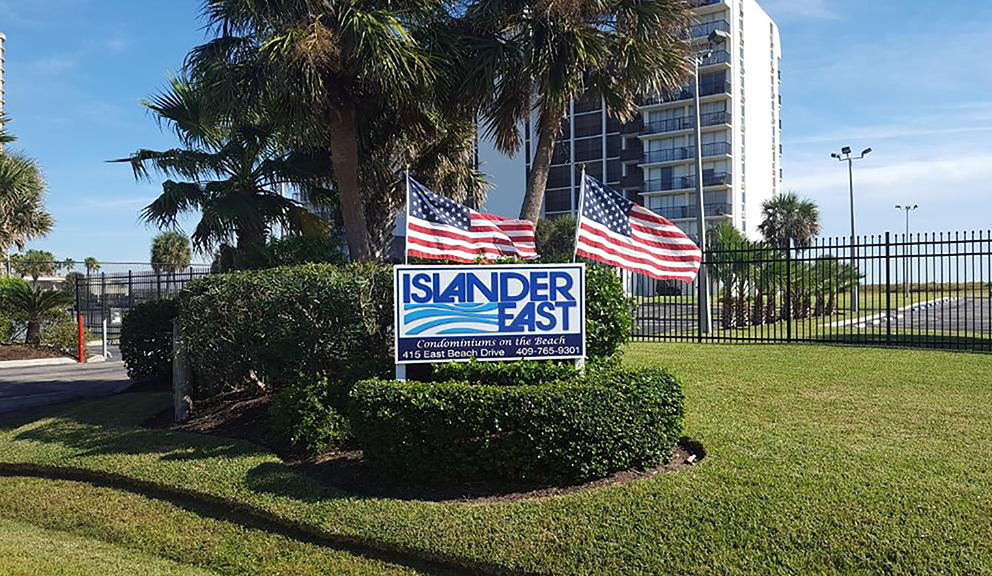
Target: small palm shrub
[{"x": 36, "y": 306}]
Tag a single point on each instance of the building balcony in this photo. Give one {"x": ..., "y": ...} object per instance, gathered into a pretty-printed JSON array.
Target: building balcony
[
  {"x": 687, "y": 183},
  {"x": 688, "y": 93},
  {"x": 635, "y": 179},
  {"x": 685, "y": 123},
  {"x": 702, "y": 3},
  {"x": 716, "y": 57},
  {"x": 686, "y": 153},
  {"x": 689, "y": 212},
  {"x": 707, "y": 28}
]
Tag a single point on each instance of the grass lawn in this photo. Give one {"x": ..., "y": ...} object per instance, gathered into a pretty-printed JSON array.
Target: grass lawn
[
  {"x": 819, "y": 460},
  {"x": 29, "y": 551}
]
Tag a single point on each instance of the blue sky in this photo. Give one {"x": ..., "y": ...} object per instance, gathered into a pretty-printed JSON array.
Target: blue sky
[{"x": 912, "y": 79}]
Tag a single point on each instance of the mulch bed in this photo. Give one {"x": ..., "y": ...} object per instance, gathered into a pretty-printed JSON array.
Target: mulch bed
[
  {"x": 15, "y": 352},
  {"x": 243, "y": 416}
]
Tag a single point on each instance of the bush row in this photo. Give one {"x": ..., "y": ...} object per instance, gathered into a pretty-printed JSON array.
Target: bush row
[
  {"x": 271, "y": 327},
  {"x": 146, "y": 343},
  {"x": 571, "y": 431},
  {"x": 308, "y": 333}
]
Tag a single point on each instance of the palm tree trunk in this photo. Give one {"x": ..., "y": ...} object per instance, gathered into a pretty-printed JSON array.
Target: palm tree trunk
[
  {"x": 344, "y": 159},
  {"x": 33, "y": 336},
  {"x": 727, "y": 315},
  {"x": 537, "y": 180}
]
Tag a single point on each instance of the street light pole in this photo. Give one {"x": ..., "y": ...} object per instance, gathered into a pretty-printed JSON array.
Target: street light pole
[
  {"x": 705, "y": 312},
  {"x": 906, "y": 271},
  {"x": 845, "y": 156}
]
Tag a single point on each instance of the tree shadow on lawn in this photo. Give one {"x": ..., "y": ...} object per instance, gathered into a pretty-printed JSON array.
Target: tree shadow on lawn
[
  {"x": 247, "y": 517},
  {"x": 84, "y": 434}
]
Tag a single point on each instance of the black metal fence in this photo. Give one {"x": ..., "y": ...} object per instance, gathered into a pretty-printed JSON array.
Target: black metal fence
[
  {"x": 110, "y": 296},
  {"x": 928, "y": 290}
]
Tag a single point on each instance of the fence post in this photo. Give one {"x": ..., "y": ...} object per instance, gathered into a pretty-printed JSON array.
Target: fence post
[
  {"x": 788, "y": 291},
  {"x": 888, "y": 289},
  {"x": 181, "y": 376}
]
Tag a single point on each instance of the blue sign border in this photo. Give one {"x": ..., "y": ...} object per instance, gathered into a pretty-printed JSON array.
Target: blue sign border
[{"x": 581, "y": 336}]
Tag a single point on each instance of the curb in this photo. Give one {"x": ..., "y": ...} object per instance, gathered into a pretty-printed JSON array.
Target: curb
[{"x": 42, "y": 362}]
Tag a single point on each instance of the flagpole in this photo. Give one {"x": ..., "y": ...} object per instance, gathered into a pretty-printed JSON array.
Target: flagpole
[
  {"x": 578, "y": 216},
  {"x": 406, "y": 233}
]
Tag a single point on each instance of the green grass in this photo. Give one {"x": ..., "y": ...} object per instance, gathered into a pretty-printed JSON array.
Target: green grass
[
  {"x": 26, "y": 550},
  {"x": 820, "y": 460},
  {"x": 155, "y": 528}
]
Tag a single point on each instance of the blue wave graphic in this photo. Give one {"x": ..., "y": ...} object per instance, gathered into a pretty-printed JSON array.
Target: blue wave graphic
[
  {"x": 421, "y": 314},
  {"x": 440, "y": 319},
  {"x": 484, "y": 322}
]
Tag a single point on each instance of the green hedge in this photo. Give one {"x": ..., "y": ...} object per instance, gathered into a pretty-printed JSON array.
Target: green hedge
[
  {"x": 505, "y": 373},
  {"x": 611, "y": 420},
  {"x": 278, "y": 325},
  {"x": 146, "y": 343},
  {"x": 306, "y": 416}
]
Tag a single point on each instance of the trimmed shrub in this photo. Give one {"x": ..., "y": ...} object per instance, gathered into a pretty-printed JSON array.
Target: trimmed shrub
[
  {"x": 505, "y": 373},
  {"x": 60, "y": 332},
  {"x": 146, "y": 343},
  {"x": 609, "y": 312},
  {"x": 271, "y": 327},
  {"x": 304, "y": 415},
  {"x": 611, "y": 420}
]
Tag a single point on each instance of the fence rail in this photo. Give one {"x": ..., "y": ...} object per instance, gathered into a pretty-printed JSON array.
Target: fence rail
[
  {"x": 110, "y": 297},
  {"x": 928, "y": 290}
]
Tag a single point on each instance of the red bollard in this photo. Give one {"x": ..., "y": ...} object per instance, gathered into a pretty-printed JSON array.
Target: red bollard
[{"x": 82, "y": 341}]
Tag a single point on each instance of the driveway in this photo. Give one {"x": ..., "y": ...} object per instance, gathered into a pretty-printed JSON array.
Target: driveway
[{"x": 22, "y": 388}]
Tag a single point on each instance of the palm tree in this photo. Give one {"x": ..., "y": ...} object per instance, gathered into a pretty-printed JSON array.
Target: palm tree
[
  {"x": 35, "y": 263},
  {"x": 5, "y": 138},
  {"x": 22, "y": 202},
  {"x": 328, "y": 65},
  {"x": 730, "y": 266},
  {"x": 35, "y": 305},
  {"x": 170, "y": 253},
  {"x": 788, "y": 218},
  {"x": 92, "y": 265},
  {"x": 231, "y": 173},
  {"x": 541, "y": 56}
]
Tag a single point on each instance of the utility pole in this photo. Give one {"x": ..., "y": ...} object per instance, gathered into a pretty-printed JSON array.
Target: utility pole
[{"x": 845, "y": 156}]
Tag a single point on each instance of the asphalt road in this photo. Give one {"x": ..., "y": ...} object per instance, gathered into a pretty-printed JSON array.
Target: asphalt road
[
  {"x": 958, "y": 316},
  {"x": 22, "y": 388}
]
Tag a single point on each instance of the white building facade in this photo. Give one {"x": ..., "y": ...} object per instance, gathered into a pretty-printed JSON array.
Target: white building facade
[
  {"x": 3, "y": 41},
  {"x": 652, "y": 160}
]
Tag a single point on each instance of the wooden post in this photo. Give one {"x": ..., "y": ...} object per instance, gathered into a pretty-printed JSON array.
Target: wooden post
[{"x": 181, "y": 376}]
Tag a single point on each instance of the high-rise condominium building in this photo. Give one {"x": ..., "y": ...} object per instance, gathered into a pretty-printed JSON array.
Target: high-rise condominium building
[
  {"x": 3, "y": 40},
  {"x": 652, "y": 159}
]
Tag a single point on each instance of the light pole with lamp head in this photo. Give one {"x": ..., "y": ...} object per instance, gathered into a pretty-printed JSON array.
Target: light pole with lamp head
[
  {"x": 845, "y": 156},
  {"x": 908, "y": 210},
  {"x": 716, "y": 38}
]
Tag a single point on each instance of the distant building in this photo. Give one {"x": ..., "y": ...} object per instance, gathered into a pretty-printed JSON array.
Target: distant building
[
  {"x": 3, "y": 42},
  {"x": 652, "y": 159}
]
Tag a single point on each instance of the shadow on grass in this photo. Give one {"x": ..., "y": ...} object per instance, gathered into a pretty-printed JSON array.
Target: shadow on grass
[
  {"x": 226, "y": 511},
  {"x": 926, "y": 341}
]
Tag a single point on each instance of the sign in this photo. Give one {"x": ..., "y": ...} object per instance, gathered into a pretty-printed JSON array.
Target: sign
[{"x": 499, "y": 312}]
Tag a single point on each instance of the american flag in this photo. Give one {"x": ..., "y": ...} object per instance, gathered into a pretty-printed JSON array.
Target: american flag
[
  {"x": 441, "y": 229},
  {"x": 618, "y": 232}
]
